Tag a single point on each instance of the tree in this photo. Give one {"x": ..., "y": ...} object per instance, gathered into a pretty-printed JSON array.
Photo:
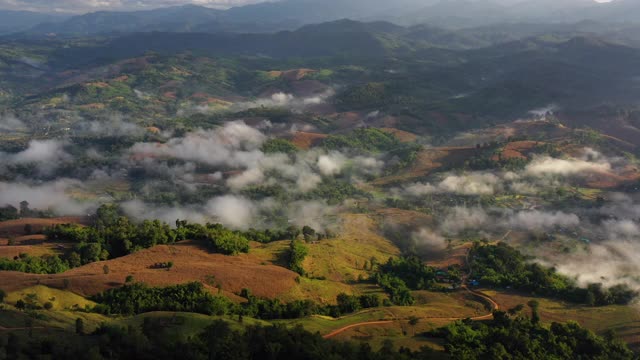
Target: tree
[
  {"x": 79, "y": 326},
  {"x": 128, "y": 279},
  {"x": 413, "y": 321},
  {"x": 106, "y": 269},
  {"x": 3, "y": 295},
  {"x": 24, "y": 208},
  {"x": 20, "y": 304},
  {"x": 348, "y": 303},
  {"x": 534, "y": 305},
  {"x": 169, "y": 265},
  {"x": 309, "y": 233},
  {"x": 48, "y": 305},
  {"x": 74, "y": 259},
  {"x": 28, "y": 229}
]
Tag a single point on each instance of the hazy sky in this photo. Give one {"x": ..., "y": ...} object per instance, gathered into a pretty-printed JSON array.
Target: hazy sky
[{"x": 82, "y": 6}]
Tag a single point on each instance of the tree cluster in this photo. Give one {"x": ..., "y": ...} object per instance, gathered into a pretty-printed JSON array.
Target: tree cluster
[
  {"x": 518, "y": 337},
  {"x": 503, "y": 266}
]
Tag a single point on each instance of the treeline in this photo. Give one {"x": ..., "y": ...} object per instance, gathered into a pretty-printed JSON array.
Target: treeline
[
  {"x": 519, "y": 338},
  {"x": 113, "y": 235},
  {"x": 153, "y": 340},
  {"x": 137, "y": 298},
  {"x": 506, "y": 337},
  {"x": 503, "y": 266},
  {"x": 297, "y": 252},
  {"x": 10, "y": 212},
  {"x": 46, "y": 264},
  {"x": 368, "y": 140},
  {"x": 399, "y": 276}
]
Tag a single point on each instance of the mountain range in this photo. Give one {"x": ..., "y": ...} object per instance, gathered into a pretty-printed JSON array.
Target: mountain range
[{"x": 292, "y": 14}]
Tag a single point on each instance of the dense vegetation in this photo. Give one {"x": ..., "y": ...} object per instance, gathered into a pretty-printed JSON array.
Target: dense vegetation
[
  {"x": 399, "y": 276},
  {"x": 364, "y": 140},
  {"x": 503, "y": 266},
  {"x": 137, "y": 298},
  {"x": 506, "y": 337},
  {"x": 522, "y": 338},
  {"x": 297, "y": 252},
  {"x": 46, "y": 264},
  {"x": 152, "y": 341}
]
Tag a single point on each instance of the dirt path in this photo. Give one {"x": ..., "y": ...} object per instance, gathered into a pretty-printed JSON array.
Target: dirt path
[
  {"x": 367, "y": 323},
  {"x": 492, "y": 303},
  {"x": 2, "y": 328}
]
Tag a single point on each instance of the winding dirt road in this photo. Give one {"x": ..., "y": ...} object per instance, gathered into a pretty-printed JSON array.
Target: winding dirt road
[{"x": 484, "y": 297}]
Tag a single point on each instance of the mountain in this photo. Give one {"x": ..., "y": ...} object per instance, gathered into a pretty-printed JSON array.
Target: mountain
[
  {"x": 175, "y": 19},
  {"x": 339, "y": 38},
  {"x": 314, "y": 11},
  {"x": 15, "y": 21},
  {"x": 292, "y": 14}
]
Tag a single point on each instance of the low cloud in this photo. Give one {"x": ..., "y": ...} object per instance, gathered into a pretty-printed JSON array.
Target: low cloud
[
  {"x": 284, "y": 100},
  {"x": 114, "y": 126},
  {"x": 469, "y": 184},
  {"x": 539, "y": 220},
  {"x": 47, "y": 155},
  {"x": 593, "y": 162},
  {"x": 10, "y": 123},
  {"x": 426, "y": 240},
  {"x": 52, "y": 196}
]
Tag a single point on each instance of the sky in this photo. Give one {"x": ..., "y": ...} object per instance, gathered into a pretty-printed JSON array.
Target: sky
[{"x": 84, "y": 6}]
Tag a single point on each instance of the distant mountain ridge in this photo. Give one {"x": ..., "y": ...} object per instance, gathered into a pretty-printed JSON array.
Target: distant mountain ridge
[{"x": 292, "y": 14}]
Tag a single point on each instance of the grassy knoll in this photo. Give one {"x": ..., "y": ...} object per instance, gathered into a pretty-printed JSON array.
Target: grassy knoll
[
  {"x": 40, "y": 295},
  {"x": 342, "y": 259}
]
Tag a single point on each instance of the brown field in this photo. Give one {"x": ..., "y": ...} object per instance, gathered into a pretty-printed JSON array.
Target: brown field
[
  {"x": 403, "y": 136},
  {"x": 405, "y": 217},
  {"x": 305, "y": 140},
  {"x": 33, "y": 245},
  {"x": 608, "y": 180},
  {"x": 16, "y": 227},
  {"x": 534, "y": 129},
  {"x": 429, "y": 160},
  {"x": 191, "y": 263}
]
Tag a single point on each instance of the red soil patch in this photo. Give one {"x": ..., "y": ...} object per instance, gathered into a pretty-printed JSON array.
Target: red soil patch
[
  {"x": 98, "y": 84},
  {"x": 516, "y": 150},
  {"x": 122, "y": 78},
  {"x": 93, "y": 106},
  {"x": 191, "y": 263},
  {"x": 292, "y": 75},
  {"x": 607, "y": 180},
  {"x": 305, "y": 140}
]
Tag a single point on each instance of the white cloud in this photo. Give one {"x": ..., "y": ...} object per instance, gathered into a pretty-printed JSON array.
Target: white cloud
[
  {"x": 52, "y": 195},
  {"x": 10, "y": 123},
  {"x": 46, "y": 154}
]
